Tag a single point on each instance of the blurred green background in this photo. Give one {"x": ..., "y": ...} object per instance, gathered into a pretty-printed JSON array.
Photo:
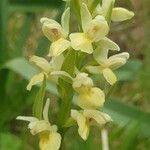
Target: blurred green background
[{"x": 129, "y": 106}]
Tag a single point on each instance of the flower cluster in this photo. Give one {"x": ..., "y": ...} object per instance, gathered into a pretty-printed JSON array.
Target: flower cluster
[{"x": 90, "y": 40}]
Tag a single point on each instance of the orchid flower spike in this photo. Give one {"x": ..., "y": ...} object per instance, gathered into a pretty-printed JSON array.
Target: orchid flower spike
[
  {"x": 46, "y": 68},
  {"x": 50, "y": 139},
  {"x": 107, "y": 64},
  {"x": 57, "y": 33},
  {"x": 87, "y": 118},
  {"x": 93, "y": 30}
]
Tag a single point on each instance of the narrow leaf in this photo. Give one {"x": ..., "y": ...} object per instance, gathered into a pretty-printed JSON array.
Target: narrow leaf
[
  {"x": 94, "y": 4},
  {"x": 122, "y": 114},
  {"x": 39, "y": 101}
]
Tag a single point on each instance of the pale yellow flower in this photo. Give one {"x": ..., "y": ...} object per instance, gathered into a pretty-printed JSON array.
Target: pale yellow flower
[
  {"x": 46, "y": 67},
  {"x": 87, "y": 118},
  {"x": 89, "y": 97},
  {"x": 93, "y": 30},
  {"x": 107, "y": 64},
  {"x": 50, "y": 139},
  {"x": 118, "y": 13},
  {"x": 57, "y": 33}
]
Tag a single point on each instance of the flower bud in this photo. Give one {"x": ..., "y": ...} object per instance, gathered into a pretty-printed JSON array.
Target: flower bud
[
  {"x": 52, "y": 29},
  {"x": 121, "y": 14}
]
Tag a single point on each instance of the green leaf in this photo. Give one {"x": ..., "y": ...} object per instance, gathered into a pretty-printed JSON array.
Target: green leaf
[
  {"x": 94, "y": 4},
  {"x": 131, "y": 136},
  {"x": 122, "y": 114},
  {"x": 39, "y": 101}
]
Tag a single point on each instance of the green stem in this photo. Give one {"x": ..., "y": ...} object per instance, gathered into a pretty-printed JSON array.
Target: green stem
[{"x": 65, "y": 89}]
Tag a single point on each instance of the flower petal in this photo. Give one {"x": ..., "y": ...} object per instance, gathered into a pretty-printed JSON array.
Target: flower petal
[
  {"x": 35, "y": 80},
  {"x": 107, "y": 6},
  {"x": 50, "y": 142},
  {"x": 117, "y": 60},
  {"x": 58, "y": 47},
  {"x": 98, "y": 28},
  {"x": 79, "y": 41},
  {"x": 101, "y": 52},
  {"x": 41, "y": 63},
  {"x": 65, "y": 21},
  {"x": 82, "y": 80},
  {"x": 108, "y": 44},
  {"x": 123, "y": 55},
  {"x": 99, "y": 118},
  {"x": 61, "y": 73},
  {"x": 98, "y": 10},
  {"x": 57, "y": 62},
  {"x": 47, "y": 20},
  {"x": 109, "y": 76},
  {"x": 52, "y": 29},
  {"x": 27, "y": 118},
  {"x": 39, "y": 126},
  {"x": 81, "y": 121},
  {"x": 94, "y": 69},
  {"x": 86, "y": 17},
  {"x": 121, "y": 14},
  {"x": 45, "y": 110},
  {"x": 91, "y": 99}
]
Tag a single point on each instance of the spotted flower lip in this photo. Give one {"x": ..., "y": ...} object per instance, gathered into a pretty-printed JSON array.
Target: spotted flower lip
[
  {"x": 87, "y": 118},
  {"x": 49, "y": 138},
  {"x": 93, "y": 31},
  {"x": 57, "y": 33},
  {"x": 45, "y": 67},
  {"x": 107, "y": 64}
]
